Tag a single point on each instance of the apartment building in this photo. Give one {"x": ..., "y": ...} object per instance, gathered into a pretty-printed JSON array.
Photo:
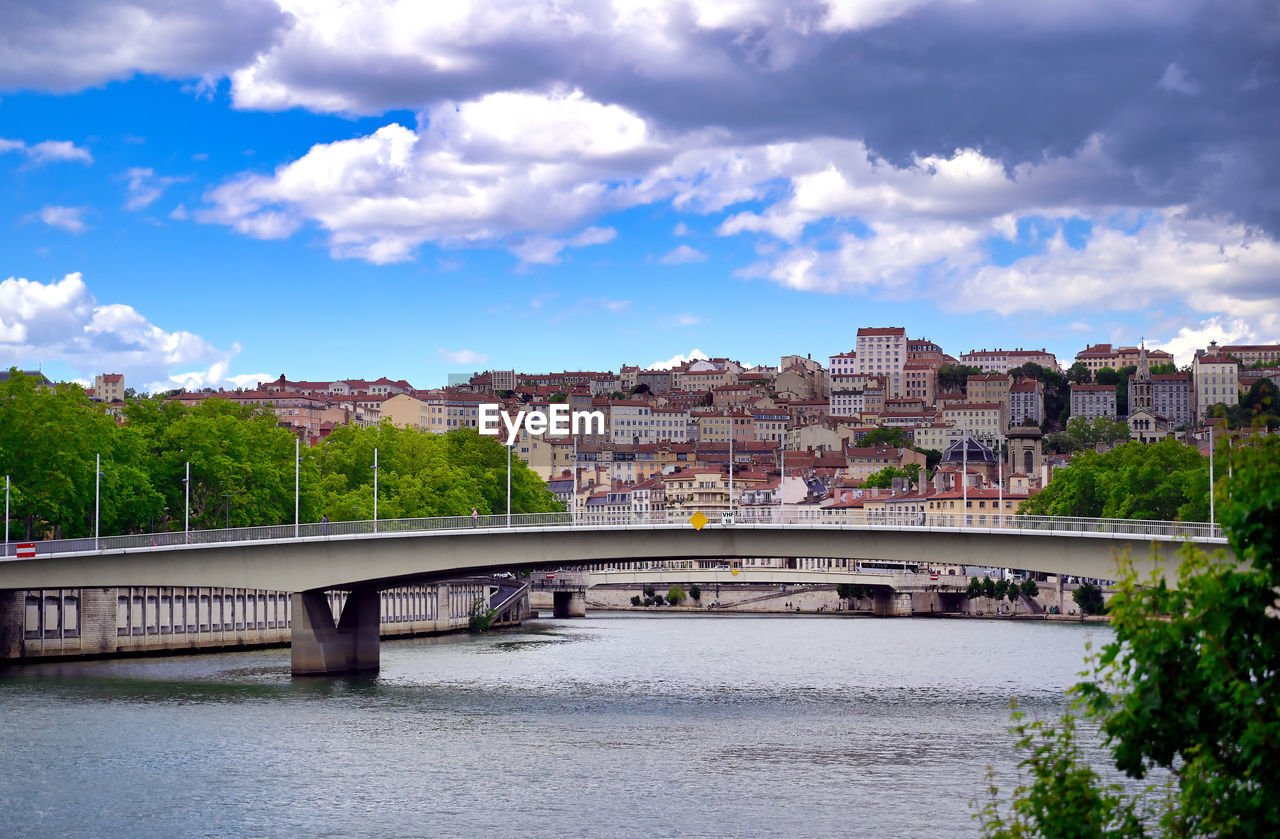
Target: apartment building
[
  {"x": 1250, "y": 354},
  {"x": 882, "y": 351},
  {"x": 630, "y": 421},
  {"x": 987, "y": 421},
  {"x": 988, "y": 387},
  {"x": 844, "y": 364},
  {"x": 1217, "y": 379},
  {"x": 1002, "y": 361},
  {"x": 1092, "y": 401},
  {"x": 108, "y": 387},
  {"x": 1026, "y": 402},
  {"x": 920, "y": 380}
]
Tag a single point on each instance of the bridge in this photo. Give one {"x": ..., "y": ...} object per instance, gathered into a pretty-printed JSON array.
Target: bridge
[{"x": 364, "y": 558}]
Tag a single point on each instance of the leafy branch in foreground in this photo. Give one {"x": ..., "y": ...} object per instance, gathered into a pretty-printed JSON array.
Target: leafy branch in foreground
[{"x": 1188, "y": 689}]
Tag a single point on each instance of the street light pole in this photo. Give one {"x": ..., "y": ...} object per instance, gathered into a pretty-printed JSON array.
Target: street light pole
[
  {"x": 97, "y": 499},
  {"x": 511, "y": 444},
  {"x": 297, "y": 459},
  {"x": 375, "y": 489},
  {"x": 573, "y": 515},
  {"x": 6, "y": 516},
  {"x": 1000, "y": 455},
  {"x": 227, "y": 496},
  {"x": 730, "y": 464},
  {"x": 782, "y": 482},
  {"x": 186, "y": 509},
  {"x": 1211, "y": 478},
  {"x": 964, "y": 479}
]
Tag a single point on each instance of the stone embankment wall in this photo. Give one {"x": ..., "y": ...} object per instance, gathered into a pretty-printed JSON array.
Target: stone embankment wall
[
  {"x": 765, "y": 598},
  {"x": 51, "y": 623}
]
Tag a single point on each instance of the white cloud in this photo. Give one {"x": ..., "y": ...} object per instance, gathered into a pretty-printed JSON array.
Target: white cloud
[
  {"x": 684, "y": 319},
  {"x": 462, "y": 356},
  {"x": 70, "y": 219},
  {"x": 62, "y": 320},
  {"x": 693, "y": 355},
  {"x": 681, "y": 229},
  {"x": 1176, "y": 80},
  {"x": 62, "y": 47},
  {"x": 1192, "y": 338},
  {"x": 683, "y": 255},
  {"x": 145, "y": 186},
  {"x": 48, "y": 151},
  {"x": 546, "y": 250}
]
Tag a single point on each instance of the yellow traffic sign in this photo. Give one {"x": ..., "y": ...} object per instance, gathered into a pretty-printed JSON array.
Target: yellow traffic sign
[{"x": 698, "y": 520}]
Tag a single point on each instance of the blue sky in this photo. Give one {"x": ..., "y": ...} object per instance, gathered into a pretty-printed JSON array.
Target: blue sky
[{"x": 250, "y": 187}]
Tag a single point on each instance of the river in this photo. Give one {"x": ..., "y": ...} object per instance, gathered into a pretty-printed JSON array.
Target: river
[{"x": 613, "y": 726}]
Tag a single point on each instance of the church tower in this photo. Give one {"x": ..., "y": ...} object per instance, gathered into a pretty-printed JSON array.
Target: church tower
[{"x": 1141, "y": 390}]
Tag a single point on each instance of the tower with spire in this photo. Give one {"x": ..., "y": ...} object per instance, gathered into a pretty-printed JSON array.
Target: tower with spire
[{"x": 1141, "y": 390}]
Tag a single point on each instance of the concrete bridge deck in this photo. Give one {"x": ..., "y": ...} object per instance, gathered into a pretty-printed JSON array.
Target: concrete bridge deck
[{"x": 365, "y": 557}]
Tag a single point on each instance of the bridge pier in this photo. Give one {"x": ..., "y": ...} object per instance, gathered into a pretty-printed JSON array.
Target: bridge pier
[
  {"x": 888, "y": 603},
  {"x": 569, "y": 604},
  {"x": 319, "y": 648}
]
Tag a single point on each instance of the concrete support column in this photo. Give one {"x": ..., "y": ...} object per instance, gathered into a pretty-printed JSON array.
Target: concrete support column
[
  {"x": 12, "y": 604},
  {"x": 570, "y": 604},
  {"x": 98, "y": 621},
  {"x": 891, "y": 604},
  {"x": 319, "y": 648}
]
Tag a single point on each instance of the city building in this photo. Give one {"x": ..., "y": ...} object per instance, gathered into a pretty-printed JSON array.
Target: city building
[
  {"x": 108, "y": 387},
  {"x": 1091, "y": 401},
  {"x": 882, "y": 351},
  {"x": 1217, "y": 379},
  {"x": 1026, "y": 402}
]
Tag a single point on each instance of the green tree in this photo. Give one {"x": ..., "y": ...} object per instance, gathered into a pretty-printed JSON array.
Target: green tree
[
  {"x": 1088, "y": 433},
  {"x": 988, "y": 587},
  {"x": 955, "y": 377},
  {"x": 975, "y": 588},
  {"x": 1187, "y": 686},
  {"x": 1089, "y": 598},
  {"x": 1001, "y": 588},
  {"x": 1078, "y": 374},
  {"x": 1030, "y": 588},
  {"x": 695, "y": 592},
  {"x": 675, "y": 595},
  {"x": 1159, "y": 481},
  {"x": 884, "y": 477},
  {"x": 887, "y": 436}
]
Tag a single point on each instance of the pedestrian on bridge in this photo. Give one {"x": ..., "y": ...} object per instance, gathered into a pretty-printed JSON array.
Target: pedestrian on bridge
[{"x": 475, "y": 517}]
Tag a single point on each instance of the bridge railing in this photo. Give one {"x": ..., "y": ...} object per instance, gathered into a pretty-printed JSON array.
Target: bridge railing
[{"x": 598, "y": 520}]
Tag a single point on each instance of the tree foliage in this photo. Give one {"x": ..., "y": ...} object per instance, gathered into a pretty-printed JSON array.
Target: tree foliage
[
  {"x": 1188, "y": 688},
  {"x": 1161, "y": 481},
  {"x": 887, "y": 435},
  {"x": 883, "y": 479},
  {"x": 242, "y": 467},
  {"x": 1089, "y": 598},
  {"x": 955, "y": 377}
]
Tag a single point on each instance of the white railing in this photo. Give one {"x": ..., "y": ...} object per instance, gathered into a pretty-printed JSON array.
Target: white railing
[{"x": 804, "y": 519}]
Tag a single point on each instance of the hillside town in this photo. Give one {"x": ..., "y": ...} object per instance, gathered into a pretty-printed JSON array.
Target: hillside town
[{"x": 892, "y": 430}]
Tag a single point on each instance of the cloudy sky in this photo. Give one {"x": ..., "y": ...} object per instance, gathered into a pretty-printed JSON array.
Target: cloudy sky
[{"x": 214, "y": 192}]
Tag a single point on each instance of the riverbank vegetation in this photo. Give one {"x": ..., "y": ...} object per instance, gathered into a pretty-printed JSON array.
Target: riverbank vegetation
[
  {"x": 242, "y": 467},
  {"x": 1161, "y": 481},
  {"x": 1187, "y": 695}
]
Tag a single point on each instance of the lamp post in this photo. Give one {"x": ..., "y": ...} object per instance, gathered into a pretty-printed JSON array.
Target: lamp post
[
  {"x": 964, "y": 479},
  {"x": 1000, "y": 472},
  {"x": 297, "y": 459},
  {"x": 782, "y": 483},
  {"x": 375, "y": 489},
  {"x": 186, "y": 508},
  {"x": 511, "y": 444},
  {"x": 227, "y": 496},
  {"x": 6, "y": 516},
  {"x": 573, "y": 515},
  {"x": 731, "y": 465},
  {"x": 97, "y": 499},
  {"x": 1211, "y": 479}
]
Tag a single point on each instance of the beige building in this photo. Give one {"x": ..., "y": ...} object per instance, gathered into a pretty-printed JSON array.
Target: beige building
[
  {"x": 1002, "y": 361},
  {"x": 1217, "y": 379},
  {"x": 882, "y": 351},
  {"x": 988, "y": 387},
  {"x": 986, "y": 421},
  {"x": 108, "y": 387}
]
